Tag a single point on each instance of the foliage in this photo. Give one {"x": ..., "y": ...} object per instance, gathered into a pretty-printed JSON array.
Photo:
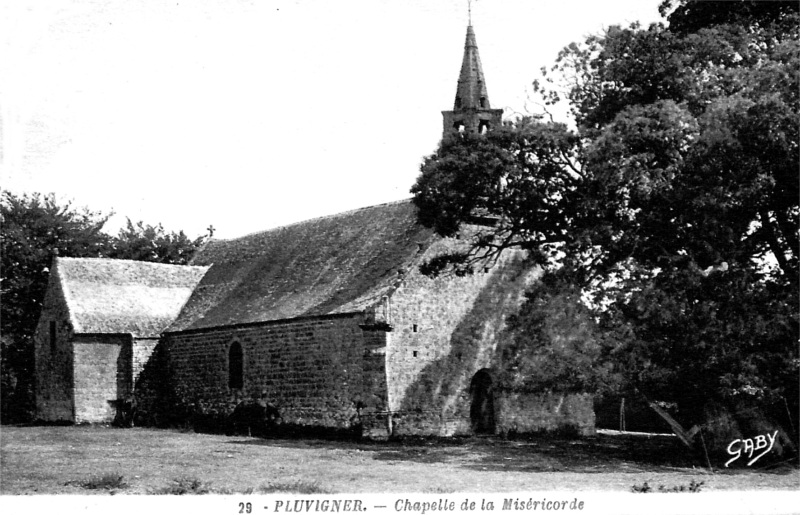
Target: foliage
[
  {"x": 183, "y": 486},
  {"x": 34, "y": 229},
  {"x": 672, "y": 204},
  {"x": 687, "y": 17},
  {"x": 110, "y": 481},
  {"x": 142, "y": 242},
  {"x": 517, "y": 182},
  {"x": 293, "y": 487},
  {"x": 693, "y": 487}
]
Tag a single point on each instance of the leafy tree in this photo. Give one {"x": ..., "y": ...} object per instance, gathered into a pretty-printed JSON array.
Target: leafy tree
[
  {"x": 686, "y": 17},
  {"x": 520, "y": 179},
  {"x": 34, "y": 227},
  {"x": 673, "y": 202},
  {"x": 152, "y": 243}
]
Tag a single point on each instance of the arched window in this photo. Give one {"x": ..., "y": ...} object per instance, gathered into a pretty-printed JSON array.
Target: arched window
[{"x": 235, "y": 367}]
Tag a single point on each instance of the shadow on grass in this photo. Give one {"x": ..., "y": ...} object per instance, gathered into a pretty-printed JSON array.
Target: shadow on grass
[
  {"x": 541, "y": 453},
  {"x": 533, "y": 453}
]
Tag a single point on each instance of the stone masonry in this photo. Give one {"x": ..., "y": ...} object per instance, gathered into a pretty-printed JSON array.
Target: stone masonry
[
  {"x": 323, "y": 371},
  {"x": 102, "y": 376},
  {"x": 53, "y": 358},
  {"x": 448, "y": 328}
]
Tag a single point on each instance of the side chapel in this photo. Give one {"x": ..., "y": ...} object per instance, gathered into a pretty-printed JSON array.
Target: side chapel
[{"x": 329, "y": 321}]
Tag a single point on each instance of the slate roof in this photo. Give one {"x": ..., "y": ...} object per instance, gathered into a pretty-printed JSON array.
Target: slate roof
[
  {"x": 343, "y": 263},
  {"x": 115, "y": 296}
]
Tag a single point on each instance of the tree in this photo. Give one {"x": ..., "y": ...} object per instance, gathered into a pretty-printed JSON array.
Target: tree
[
  {"x": 142, "y": 242},
  {"x": 520, "y": 181},
  {"x": 674, "y": 201}
]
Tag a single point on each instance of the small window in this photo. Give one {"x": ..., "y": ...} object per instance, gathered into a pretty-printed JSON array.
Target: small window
[
  {"x": 483, "y": 127},
  {"x": 483, "y": 102},
  {"x": 414, "y": 328},
  {"x": 414, "y": 353},
  {"x": 53, "y": 336},
  {"x": 235, "y": 367},
  {"x": 458, "y": 102}
]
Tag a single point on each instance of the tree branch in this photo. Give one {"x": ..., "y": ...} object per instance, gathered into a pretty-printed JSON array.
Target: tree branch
[{"x": 772, "y": 240}]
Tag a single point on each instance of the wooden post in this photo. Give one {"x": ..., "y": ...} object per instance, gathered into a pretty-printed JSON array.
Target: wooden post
[{"x": 682, "y": 434}]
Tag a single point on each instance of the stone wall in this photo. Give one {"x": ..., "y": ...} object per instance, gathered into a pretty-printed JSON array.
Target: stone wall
[
  {"x": 142, "y": 351},
  {"x": 445, "y": 330},
  {"x": 320, "y": 371},
  {"x": 53, "y": 360},
  {"x": 471, "y": 119},
  {"x": 102, "y": 376},
  {"x": 408, "y": 371},
  {"x": 531, "y": 413}
]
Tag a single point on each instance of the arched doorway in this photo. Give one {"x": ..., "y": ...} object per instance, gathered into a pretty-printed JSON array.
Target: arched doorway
[{"x": 481, "y": 411}]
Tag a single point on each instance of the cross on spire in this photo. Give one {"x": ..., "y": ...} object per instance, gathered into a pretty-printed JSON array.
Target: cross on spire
[{"x": 469, "y": 11}]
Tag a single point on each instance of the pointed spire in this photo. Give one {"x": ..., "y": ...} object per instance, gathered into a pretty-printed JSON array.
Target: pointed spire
[
  {"x": 471, "y": 110},
  {"x": 471, "y": 92}
]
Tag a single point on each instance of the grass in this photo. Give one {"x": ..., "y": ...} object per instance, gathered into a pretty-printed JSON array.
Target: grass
[
  {"x": 293, "y": 487},
  {"x": 74, "y": 460}
]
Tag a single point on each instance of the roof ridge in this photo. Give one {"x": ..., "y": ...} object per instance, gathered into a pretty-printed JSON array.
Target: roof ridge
[
  {"x": 120, "y": 260},
  {"x": 309, "y": 220}
]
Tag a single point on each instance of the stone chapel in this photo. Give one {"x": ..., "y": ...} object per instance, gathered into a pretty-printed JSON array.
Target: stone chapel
[{"x": 328, "y": 321}]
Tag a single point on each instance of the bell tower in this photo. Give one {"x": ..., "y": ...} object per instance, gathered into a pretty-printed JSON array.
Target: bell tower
[{"x": 471, "y": 109}]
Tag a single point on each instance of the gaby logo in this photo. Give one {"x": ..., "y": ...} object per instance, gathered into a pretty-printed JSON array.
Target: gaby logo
[{"x": 750, "y": 445}]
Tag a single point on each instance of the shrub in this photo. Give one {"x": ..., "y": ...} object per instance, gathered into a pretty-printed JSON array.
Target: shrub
[
  {"x": 293, "y": 487},
  {"x": 253, "y": 418},
  {"x": 110, "y": 482},
  {"x": 693, "y": 487},
  {"x": 183, "y": 486}
]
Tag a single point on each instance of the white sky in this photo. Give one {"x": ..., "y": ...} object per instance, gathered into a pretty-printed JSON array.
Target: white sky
[{"x": 246, "y": 114}]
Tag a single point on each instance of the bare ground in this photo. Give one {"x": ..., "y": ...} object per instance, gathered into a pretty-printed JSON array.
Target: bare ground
[{"x": 67, "y": 460}]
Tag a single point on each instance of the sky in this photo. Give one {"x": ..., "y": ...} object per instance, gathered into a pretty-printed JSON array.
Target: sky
[{"x": 246, "y": 115}]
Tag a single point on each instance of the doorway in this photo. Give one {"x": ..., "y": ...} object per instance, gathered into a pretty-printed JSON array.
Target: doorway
[{"x": 481, "y": 412}]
